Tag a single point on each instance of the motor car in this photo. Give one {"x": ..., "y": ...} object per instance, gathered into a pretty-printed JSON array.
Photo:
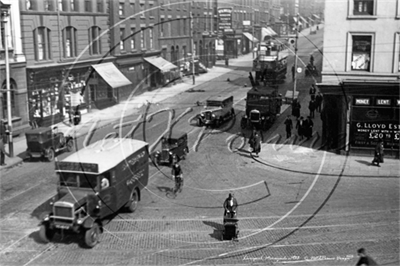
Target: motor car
[
  {"x": 45, "y": 142},
  {"x": 174, "y": 147},
  {"x": 94, "y": 183},
  {"x": 217, "y": 110}
]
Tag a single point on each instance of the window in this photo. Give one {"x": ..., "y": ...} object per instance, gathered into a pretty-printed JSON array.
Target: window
[
  {"x": 121, "y": 10},
  {"x": 185, "y": 21},
  {"x": 88, "y": 6},
  {"x": 132, "y": 7},
  {"x": 42, "y": 43},
  {"x": 361, "y": 50},
  {"x": 133, "y": 43},
  {"x": 363, "y": 7},
  {"x": 100, "y": 6},
  {"x": 94, "y": 40},
  {"x": 142, "y": 39},
  {"x": 62, "y": 5},
  {"x": 169, "y": 28},
  {"x": 151, "y": 38},
  {"x": 29, "y": 5},
  {"x": 121, "y": 39},
  {"x": 69, "y": 40},
  {"x": 73, "y": 6},
  {"x": 142, "y": 11},
  {"x": 48, "y": 5},
  {"x": 162, "y": 27}
]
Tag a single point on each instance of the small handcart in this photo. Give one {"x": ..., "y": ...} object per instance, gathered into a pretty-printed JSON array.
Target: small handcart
[{"x": 231, "y": 228}]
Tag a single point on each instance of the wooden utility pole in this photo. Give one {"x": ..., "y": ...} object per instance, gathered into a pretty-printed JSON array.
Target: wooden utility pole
[{"x": 295, "y": 56}]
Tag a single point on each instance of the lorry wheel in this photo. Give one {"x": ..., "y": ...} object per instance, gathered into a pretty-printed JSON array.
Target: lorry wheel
[
  {"x": 133, "y": 202},
  {"x": 92, "y": 236},
  {"x": 50, "y": 155},
  {"x": 70, "y": 145},
  {"x": 45, "y": 233},
  {"x": 199, "y": 122}
]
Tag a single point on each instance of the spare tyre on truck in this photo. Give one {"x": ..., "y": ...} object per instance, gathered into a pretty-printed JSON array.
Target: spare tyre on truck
[{"x": 93, "y": 183}]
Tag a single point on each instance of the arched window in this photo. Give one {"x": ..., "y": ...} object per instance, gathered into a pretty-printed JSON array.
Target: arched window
[
  {"x": 177, "y": 55},
  {"x": 13, "y": 87},
  {"x": 69, "y": 41},
  {"x": 94, "y": 40},
  {"x": 41, "y": 36}
]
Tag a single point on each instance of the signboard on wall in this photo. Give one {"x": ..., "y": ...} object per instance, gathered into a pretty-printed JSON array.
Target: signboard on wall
[
  {"x": 224, "y": 18},
  {"x": 375, "y": 118}
]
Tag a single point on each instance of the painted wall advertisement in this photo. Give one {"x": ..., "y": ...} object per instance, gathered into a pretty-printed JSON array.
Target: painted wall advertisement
[{"x": 375, "y": 118}]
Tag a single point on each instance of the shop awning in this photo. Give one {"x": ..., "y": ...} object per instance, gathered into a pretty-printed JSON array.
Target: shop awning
[
  {"x": 304, "y": 20},
  {"x": 111, "y": 74},
  {"x": 250, "y": 37},
  {"x": 160, "y": 63},
  {"x": 267, "y": 32},
  {"x": 295, "y": 20},
  {"x": 315, "y": 16}
]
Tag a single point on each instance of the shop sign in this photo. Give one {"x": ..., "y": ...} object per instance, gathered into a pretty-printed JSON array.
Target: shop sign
[
  {"x": 367, "y": 134},
  {"x": 383, "y": 101},
  {"x": 362, "y": 101},
  {"x": 224, "y": 18}
]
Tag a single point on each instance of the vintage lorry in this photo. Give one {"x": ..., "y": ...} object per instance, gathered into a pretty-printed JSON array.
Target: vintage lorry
[
  {"x": 263, "y": 105},
  {"x": 94, "y": 183}
]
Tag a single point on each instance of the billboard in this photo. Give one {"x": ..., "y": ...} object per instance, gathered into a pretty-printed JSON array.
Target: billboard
[{"x": 225, "y": 19}]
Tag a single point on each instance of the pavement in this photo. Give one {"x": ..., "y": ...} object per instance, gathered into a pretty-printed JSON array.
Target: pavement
[{"x": 291, "y": 154}]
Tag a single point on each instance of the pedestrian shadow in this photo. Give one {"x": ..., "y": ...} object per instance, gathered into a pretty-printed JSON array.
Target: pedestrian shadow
[
  {"x": 217, "y": 233},
  {"x": 368, "y": 163},
  {"x": 244, "y": 153}
]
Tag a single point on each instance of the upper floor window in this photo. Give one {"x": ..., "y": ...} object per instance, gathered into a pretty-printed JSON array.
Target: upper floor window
[
  {"x": 42, "y": 43},
  {"x": 121, "y": 9},
  {"x": 122, "y": 39},
  {"x": 88, "y": 6},
  {"x": 361, "y": 53},
  {"x": 62, "y": 5},
  {"x": 48, "y": 5},
  {"x": 74, "y": 6},
  {"x": 363, "y": 7},
  {"x": 30, "y": 5},
  {"x": 94, "y": 40},
  {"x": 151, "y": 38},
  {"x": 162, "y": 27},
  {"x": 69, "y": 40},
  {"x": 100, "y": 6},
  {"x": 142, "y": 39},
  {"x": 133, "y": 41}
]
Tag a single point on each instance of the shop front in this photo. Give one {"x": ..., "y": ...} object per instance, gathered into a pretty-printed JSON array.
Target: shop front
[
  {"x": 249, "y": 42},
  {"x": 357, "y": 115}
]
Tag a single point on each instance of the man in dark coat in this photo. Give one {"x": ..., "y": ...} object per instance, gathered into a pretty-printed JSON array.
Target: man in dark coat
[
  {"x": 230, "y": 204},
  {"x": 364, "y": 259},
  {"x": 318, "y": 101},
  {"x": 378, "y": 154},
  {"x": 256, "y": 143},
  {"x": 296, "y": 109},
  {"x": 288, "y": 126},
  {"x": 308, "y": 127},
  {"x": 313, "y": 91},
  {"x": 300, "y": 127},
  {"x": 311, "y": 107}
]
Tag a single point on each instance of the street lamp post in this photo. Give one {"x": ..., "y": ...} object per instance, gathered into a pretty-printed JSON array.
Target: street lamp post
[
  {"x": 4, "y": 18},
  {"x": 295, "y": 56},
  {"x": 192, "y": 42}
]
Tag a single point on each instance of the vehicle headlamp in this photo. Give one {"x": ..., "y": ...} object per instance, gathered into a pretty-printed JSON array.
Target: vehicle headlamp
[
  {"x": 202, "y": 114},
  {"x": 213, "y": 115},
  {"x": 79, "y": 221}
]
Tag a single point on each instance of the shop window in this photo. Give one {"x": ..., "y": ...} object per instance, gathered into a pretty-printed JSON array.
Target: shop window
[
  {"x": 133, "y": 41},
  {"x": 100, "y": 6},
  {"x": 363, "y": 7},
  {"x": 42, "y": 43},
  {"x": 122, "y": 39},
  {"x": 4, "y": 99},
  {"x": 361, "y": 53},
  {"x": 69, "y": 40},
  {"x": 94, "y": 40}
]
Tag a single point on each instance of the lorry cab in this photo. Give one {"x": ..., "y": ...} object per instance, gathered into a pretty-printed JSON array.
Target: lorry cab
[
  {"x": 95, "y": 182},
  {"x": 217, "y": 110},
  {"x": 174, "y": 146}
]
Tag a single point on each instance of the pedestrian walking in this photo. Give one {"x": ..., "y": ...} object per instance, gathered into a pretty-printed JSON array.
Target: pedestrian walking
[
  {"x": 300, "y": 127},
  {"x": 3, "y": 152},
  {"x": 289, "y": 126},
  {"x": 311, "y": 106},
  {"x": 379, "y": 152},
  {"x": 256, "y": 143},
  {"x": 296, "y": 109},
  {"x": 364, "y": 259},
  {"x": 308, "y": 128},
  {"x": 293, "y": 72},
  {"x": 318, "y": 101},
  {"x": 313, "y": 91}
]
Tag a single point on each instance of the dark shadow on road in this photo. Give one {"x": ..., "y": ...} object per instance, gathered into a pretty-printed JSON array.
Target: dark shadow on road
[
  {"x": 364, "y": 162},
  {"x": 42, "y": 209},
  {"x": 217, "y": 233}
]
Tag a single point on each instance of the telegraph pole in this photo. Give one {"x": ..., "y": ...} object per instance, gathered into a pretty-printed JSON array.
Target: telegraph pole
[
  {"x": 295, "y": 56},
  {"x": 192, "y": 41},
  {"x": 4, "y": 19}
]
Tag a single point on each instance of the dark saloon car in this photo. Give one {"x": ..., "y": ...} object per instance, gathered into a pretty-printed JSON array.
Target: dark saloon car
[{"x": 174, "y": 146}]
